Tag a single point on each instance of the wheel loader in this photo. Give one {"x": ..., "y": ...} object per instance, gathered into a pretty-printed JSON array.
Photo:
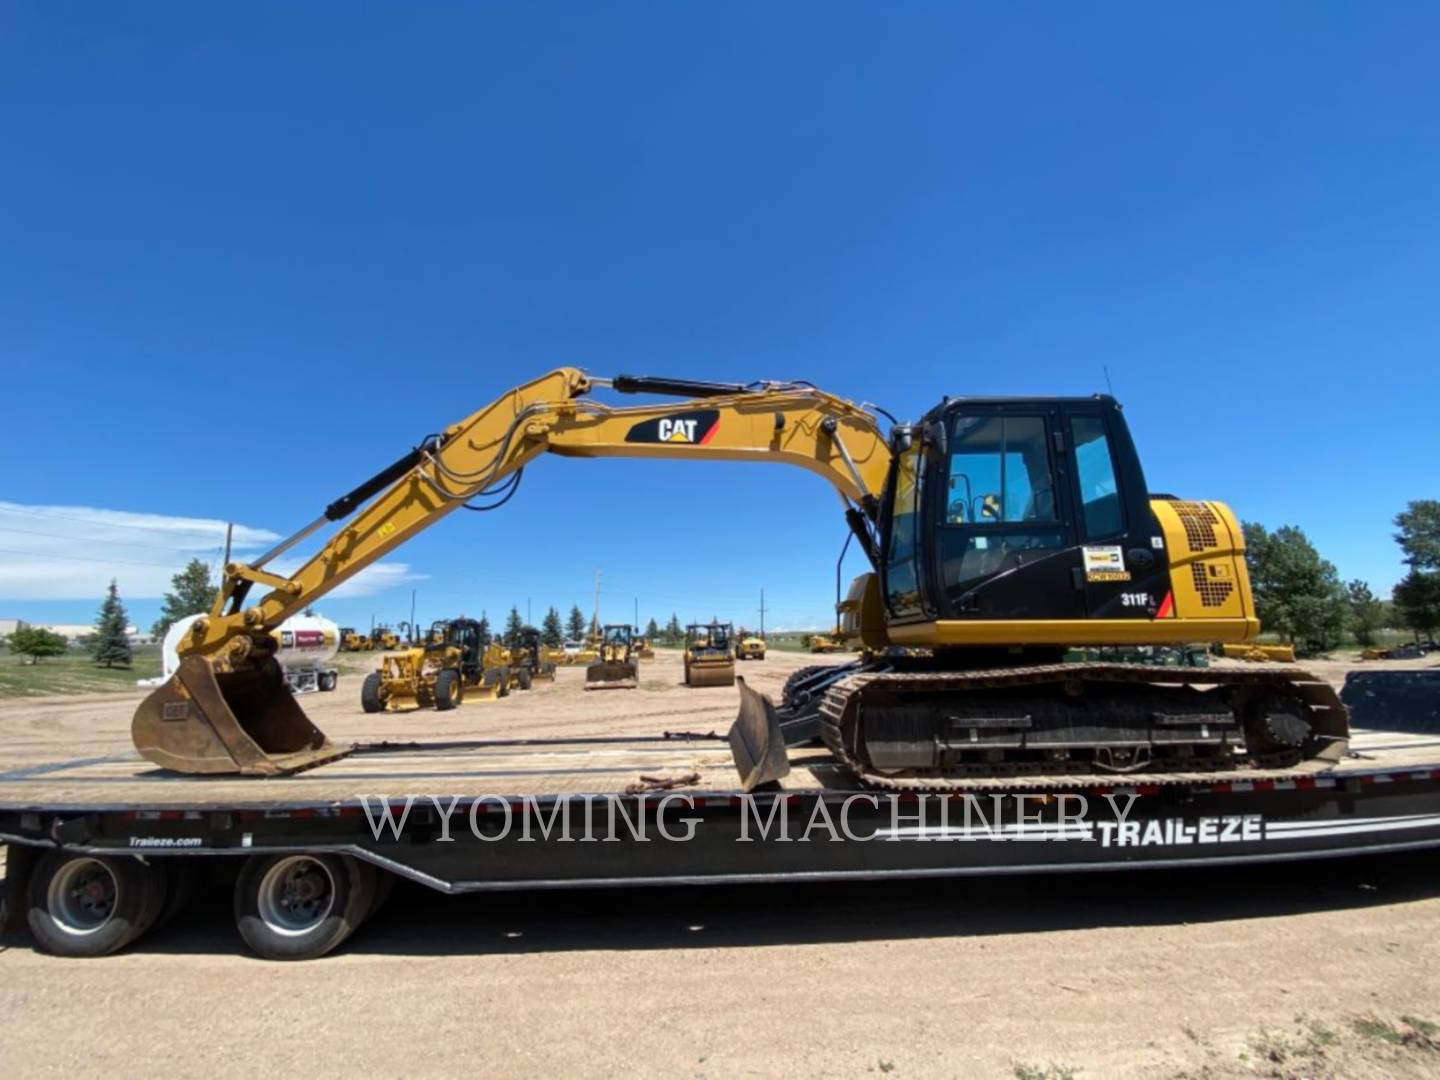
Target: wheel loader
[
  {"x": 382, "y": 637},
  {"x": 616, "y": 667},
  {"x": 1000, "y": 532},
  {"x": 435, "y": 674},
  {"x": 709, "y": 657},
  {"x": 353, "y": 641},
  {"x": 749, "y": 646}
]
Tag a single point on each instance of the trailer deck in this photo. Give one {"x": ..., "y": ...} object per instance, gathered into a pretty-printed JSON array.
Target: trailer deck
[{"x": 547, "y": 809}]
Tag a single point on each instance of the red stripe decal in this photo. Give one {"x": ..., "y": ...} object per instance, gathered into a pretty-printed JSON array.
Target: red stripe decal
[
  {"x": 711, "y": 433},
  {"x": 1167, "y": 607}
]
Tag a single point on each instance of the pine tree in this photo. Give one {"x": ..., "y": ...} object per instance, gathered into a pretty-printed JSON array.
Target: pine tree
[
  {"x": 652, "y": 631},
  {"x": 193, "y": 595},
  {"x": 1367, "y": 613},
  {"x": 551, "y": 632},
  {"x": 513, "y": 627},
  {"x": 673, "y": 633},
  {"x": 484, "y": 630},
  {"x": 594, "y": 626},
  {"x": 110, "y": 645},
  {"x": 575, "y": 625}
]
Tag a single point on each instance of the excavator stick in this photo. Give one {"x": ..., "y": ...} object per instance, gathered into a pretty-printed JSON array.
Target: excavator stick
[
  {"x": 247, "y": 722},
  {"x": 612, "y": 675}
]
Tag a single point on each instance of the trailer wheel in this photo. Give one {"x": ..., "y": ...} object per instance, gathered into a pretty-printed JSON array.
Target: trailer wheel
[
  {"x": 447, "y": 685},
  {"x": 300, "y": 906},
  {"x": 327, "y": 681},
  {"x": 522, "y": 676},
  {"x": 92, "y": 905},
  {"x": 370, "y": 699}
]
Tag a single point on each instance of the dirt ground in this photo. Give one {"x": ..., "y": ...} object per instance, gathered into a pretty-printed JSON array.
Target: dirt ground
[{"x": 1331, "y": 969}]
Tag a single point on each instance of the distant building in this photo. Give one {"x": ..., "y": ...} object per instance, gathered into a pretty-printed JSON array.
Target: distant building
[
  {"x": 9, "y": 626},
  {"x": 74, "y": 631}
]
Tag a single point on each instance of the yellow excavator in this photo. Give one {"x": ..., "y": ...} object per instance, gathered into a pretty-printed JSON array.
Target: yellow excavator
[{"x": 1000, "y": 532}]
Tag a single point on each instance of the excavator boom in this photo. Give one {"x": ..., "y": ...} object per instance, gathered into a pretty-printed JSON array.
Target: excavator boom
[{"x": 227, "y": 709}]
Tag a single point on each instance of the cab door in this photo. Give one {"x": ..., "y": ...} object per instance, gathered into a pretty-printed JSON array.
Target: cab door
[{"x": 1123, "y": 563}]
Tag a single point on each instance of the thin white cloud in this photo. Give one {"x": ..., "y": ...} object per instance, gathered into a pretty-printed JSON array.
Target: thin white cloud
[
  {"x": 375, "y": 578},
  {"x": 72, "y": 552}
]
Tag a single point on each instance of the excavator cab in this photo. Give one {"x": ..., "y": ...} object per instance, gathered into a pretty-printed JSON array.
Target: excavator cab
[{"x": 617, "y": 667}]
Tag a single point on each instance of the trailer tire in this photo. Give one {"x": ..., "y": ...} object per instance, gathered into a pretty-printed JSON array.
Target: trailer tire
[
  {"x": 447, "y": 685},
  {"x": 370, "y": 699},
  {"x": 327, "y": 681},
  {"x": 92, "y": 905},
  {"x": 301, "y": 905}
]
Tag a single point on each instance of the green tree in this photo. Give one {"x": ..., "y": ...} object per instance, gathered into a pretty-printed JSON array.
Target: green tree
[
  {"x": 1417, "y": 602},
  {"x": 193, "y": 595},
  {"x": 1367, "y": 613},
  {"x": 110, "y": 645},
  {"x": 594, "y": 631},
  {"x": 652, "y": 631},
  {"x": 35, "y": 642},
  {"x": 575, "y": 624},
  {"x": 1297, "y": 593},
  {"x": 484, "y": 630},
  {"x": 1419, "y": 535},
  {"x": 674, "y": 634},
  {"x": 551, "y": 632},
  {"x": 513, "y": 626}
]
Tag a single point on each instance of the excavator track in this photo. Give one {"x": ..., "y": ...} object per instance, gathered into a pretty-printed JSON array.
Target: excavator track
[{"x": 1221, "y": 746}]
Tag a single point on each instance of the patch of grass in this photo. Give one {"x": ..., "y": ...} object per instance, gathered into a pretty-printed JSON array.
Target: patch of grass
[
  {"x": 1414, "y": 1033},
  {"x": 73, "y": 673},
  {"x": 1026, "y": 1071}
]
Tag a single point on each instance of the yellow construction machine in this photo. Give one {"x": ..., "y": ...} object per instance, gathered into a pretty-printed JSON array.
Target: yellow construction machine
[
  {"x": 352, "y": 640},
  {"x": 382, "y": 637},
  {"x": 1260, "y": 654},
  {"x": 617, "y": 667},
  {"x": 826, "y": 643},
  {"x": 437, "y": 672},
  {"x": 709, "y": 655},
  {"x": 644, "y": 649},
  {"x": 749, "y": 646},
  {"x": 1000, "y": 533}
]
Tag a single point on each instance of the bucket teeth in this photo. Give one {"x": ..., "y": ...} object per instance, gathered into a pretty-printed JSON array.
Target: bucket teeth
[{"x": 245, "y": 722}]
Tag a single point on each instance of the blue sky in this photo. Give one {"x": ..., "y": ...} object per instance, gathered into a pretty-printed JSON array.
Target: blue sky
[{"x": 252, "y": 252}]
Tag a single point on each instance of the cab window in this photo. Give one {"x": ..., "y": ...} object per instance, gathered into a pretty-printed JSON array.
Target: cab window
[
  {"x": 1095, "y": 469},
  {"x": 902, "y": 580},
  {"x": 999, "y": 472}
]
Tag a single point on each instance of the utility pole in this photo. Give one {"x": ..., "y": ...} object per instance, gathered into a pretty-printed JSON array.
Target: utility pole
[
  {"x": 412, "y": 614},
  {"x": 636, "y": 624},
  {"x": 595, "y": 618},
  {"x": 762, "y": 612}
]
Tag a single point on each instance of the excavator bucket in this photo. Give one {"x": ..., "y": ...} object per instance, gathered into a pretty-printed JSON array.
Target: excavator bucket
[
  {"x": 612, "y": 675},
  {"x": 243, "y": 722},
  {"x": 756, "y": 741}
]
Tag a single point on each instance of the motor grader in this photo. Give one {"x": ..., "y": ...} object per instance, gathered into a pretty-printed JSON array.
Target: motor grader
[
  {"x": 1000, "y": 532},
  {"x": 617, "y": 667},
  {"x": 709, "y": 655},
  {"x": 528, "y": 657},
  {"x": 436, "y": 673}
]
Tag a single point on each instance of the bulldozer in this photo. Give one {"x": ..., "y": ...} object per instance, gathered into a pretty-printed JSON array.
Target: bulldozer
[
  {"x": 435, "y": 674},
  {"x": 709, "y": 658},
  {"x": 749, "y": 646},
  {"x": 616, "y": 667},
  {"x": 999, "y": 531},
  {"x": 826, "y": 643}
]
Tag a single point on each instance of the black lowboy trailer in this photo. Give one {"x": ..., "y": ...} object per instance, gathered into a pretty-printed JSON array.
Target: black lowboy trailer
[{"x": 99, "y": 849}]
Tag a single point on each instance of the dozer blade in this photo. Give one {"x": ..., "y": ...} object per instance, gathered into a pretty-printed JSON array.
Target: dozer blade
[
  {"x": 756, "y": 742},
  {"x": 243, "y": 722},
  {"x": 615, "y": 675},
  {"x": 712, "y": 674}
]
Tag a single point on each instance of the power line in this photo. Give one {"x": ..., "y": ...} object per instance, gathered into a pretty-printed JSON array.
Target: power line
[{"x": 86, "y": 559}]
